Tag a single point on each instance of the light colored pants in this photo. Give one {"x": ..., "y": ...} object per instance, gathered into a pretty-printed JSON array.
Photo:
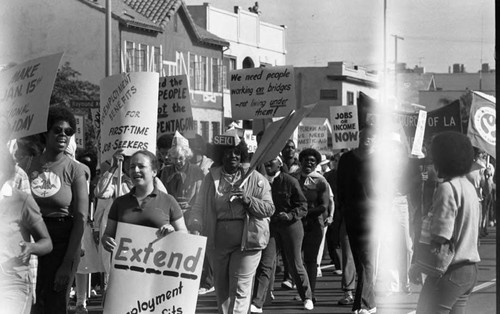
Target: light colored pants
[{"x": 234, "y": 269}]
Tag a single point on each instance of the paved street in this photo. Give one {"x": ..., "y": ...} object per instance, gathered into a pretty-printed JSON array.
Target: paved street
[{"x": 483, "y": 300}]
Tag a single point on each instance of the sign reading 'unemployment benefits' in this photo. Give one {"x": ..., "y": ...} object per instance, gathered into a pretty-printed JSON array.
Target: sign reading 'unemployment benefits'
[
  {"x": 174, "y": 106},
  {"x": 25, "y": 91},
  {"x": 262, "y": 92},
  {"x": 345, "y": 126},
  {"x": 154, "y": 275},
  {"x": 128, "y": 113}
]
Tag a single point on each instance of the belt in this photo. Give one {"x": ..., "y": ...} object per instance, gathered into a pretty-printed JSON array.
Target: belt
[
  {"x": 230, "y": 219},
  {"x": 57, "y": 219}
]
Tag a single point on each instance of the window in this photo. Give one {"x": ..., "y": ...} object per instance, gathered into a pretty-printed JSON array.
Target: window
[
  {"x": 141, "y": 58},
  {"x": 205, "y": 131},
  {"x": 229, "y": 64},
  {"x": 157, "y": 60},
  {"x": 216, "y": 75},
  {"x": 215, "y": 128},
  {"x": 192, "y": 71},
  {"x": 350, "y": 98},
  {"x": 328, "y": 94},
  {"x": 195, "y": 126},
  {"x": 129, "y": 50},
  {"x": 203, "y": 74}
]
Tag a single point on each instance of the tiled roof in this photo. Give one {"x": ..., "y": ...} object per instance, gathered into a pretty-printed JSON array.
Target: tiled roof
[{"x": 158, "y": 11}]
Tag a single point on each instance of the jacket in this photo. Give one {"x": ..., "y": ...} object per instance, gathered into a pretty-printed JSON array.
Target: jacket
[{"x": 258, "y": 212}]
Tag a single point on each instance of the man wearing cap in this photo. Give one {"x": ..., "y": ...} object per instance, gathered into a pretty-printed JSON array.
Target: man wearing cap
[{"x": 291, "y": 206}]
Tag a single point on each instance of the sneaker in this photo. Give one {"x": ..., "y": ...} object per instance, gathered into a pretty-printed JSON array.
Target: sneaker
[
  {"x": 93, "y": 293},
  {"x": 204, "y": 290},
  {"x": 297, "y": 298},
  {"x": 319, "y": 273},
  {"x": 80, "y": 309},
  {"x": 347, "y": 299},
  {"x": 271, "y": 295},
  {"x": 72, "y": 294},
  {"x": 337, "y": 272},
  {"x": 370, "y": 311},
  {"x": 254, "y": 309},
  {"x": 287, "y": 284},
  {"x": 308, "y": 305}
]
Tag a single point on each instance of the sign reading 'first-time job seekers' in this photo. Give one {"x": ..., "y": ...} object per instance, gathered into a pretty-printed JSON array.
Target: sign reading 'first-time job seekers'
[
  {"x": 128, "y": 114},
  {"x": 154, "y": 275},
  {"x": 25, "y": 91},
  {"x": 261, "y": 93}
]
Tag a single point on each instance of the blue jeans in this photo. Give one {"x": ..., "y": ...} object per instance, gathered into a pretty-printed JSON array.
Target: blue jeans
[{"x": 448, "y": 294}]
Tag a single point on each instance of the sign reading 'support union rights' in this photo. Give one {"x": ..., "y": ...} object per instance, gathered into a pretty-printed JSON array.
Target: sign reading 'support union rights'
[
  {"x": 261, "y": 93},
  {"x": 154, "y": 275}
]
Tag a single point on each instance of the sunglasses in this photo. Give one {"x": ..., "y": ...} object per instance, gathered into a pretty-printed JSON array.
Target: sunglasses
[{"x": 58, "y": 130}]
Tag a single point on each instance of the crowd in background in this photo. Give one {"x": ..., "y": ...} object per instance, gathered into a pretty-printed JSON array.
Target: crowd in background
[{"x": 289, "y": 211}]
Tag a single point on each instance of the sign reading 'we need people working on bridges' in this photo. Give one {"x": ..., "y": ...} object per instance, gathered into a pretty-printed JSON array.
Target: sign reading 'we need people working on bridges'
[
  {"x": 154, "y": 275},
  {"x": 261, "y": 93}
]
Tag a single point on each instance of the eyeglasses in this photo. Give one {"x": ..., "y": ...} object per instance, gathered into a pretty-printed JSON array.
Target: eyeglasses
[{"x": 58, "y": 130}]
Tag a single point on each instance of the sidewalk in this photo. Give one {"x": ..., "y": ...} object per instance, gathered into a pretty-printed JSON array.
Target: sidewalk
[{"x": 328, "y": 292}]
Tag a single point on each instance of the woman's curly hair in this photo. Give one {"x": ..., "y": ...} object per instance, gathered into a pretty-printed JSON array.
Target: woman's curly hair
[{"x": 452, "y": 154}]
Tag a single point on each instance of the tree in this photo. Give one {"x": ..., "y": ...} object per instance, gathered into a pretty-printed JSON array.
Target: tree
[{"x": 67, "y": 87}]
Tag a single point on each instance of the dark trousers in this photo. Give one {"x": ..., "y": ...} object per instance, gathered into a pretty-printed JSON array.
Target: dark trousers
[
  {"x": 48, "y": 300},
  {"x": 313, "y": 235},
  {"x": 207, "y": 274},
  {"x": 291, "y": 237},
  {"x": 448, "y": 294},
  {"x": 363, "y": 252},
  {"x": 348, "y": 268}
]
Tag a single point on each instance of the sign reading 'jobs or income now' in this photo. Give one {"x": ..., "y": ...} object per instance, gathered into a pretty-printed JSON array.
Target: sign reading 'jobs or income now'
[
  {"x": 345, "y": 127},
  {"x": 261, "y": 93}
]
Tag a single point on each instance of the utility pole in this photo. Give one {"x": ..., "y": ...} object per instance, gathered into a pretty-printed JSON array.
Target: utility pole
[
  {"x": 396, "y": 37},
  {"x": 108, "y": 53}
]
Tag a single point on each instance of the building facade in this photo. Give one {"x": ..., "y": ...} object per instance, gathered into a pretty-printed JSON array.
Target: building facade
[
  {"x": 252, "y": 42},
  {"x": 147, "y": 35}
]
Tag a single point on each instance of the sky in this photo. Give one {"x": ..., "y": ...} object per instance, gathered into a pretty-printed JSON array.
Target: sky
[{"x": 436, "y": 34}]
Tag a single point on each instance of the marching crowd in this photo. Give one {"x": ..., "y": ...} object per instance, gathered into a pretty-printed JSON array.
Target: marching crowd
[{"x": 60, "y": 210}]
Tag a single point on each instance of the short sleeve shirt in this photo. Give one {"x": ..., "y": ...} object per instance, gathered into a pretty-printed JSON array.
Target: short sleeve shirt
[
  {"x": 52, "y": 186},
  {"x": 156, "y": 210}
]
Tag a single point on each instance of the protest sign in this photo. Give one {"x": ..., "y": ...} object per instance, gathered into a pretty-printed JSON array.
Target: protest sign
[
  {"x": 25, "y": 91},
  {"x": 345, "y": 127},
  {"x": 154, "y": 275},
  {"x": 250, "y": 140},
  {"x": 80, "y": 131},
  {"x": 261, "y": 93},
  {"x": 482, "y": 123},
  {"x": 313, "y": 136},
  {"x": 418, "y": 141},
  {"x": 443, "y": 119},
  {"x": 128, "y": 110},
  {"x": 174, "y": 107}
]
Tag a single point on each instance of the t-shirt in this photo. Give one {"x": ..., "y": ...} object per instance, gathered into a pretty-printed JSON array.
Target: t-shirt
[
  {"x": 18, "y": 216},
  {"x": 51, "y": 186},
  {"x": 156, "y": 210},
  {"x": 457, "y": 217}
]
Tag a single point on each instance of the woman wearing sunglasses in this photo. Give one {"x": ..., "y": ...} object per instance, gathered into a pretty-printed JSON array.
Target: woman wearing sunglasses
[{"x": 59, "y": 188}]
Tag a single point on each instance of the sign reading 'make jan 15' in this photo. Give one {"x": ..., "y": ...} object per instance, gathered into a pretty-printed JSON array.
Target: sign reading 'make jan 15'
[
  {"x": 261, "y": 93},
  {"x": 25, "y": 91},
  {"x": 154, "y": 275}
]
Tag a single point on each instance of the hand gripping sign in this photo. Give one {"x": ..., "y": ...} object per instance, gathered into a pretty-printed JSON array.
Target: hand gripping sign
[{"x": 154, "y": 275}]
